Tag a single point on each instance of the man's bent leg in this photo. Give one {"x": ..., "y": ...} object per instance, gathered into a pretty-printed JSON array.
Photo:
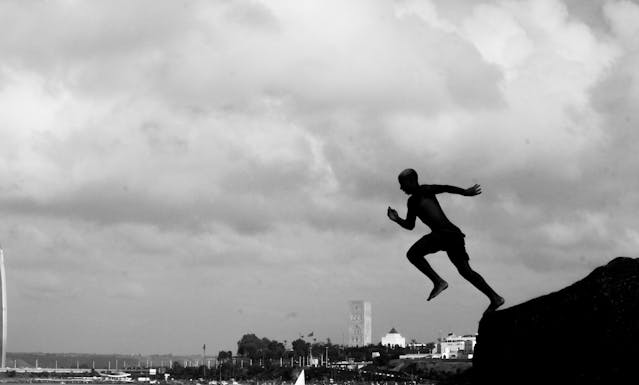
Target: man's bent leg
[
  {"x": 478, "y": 281},
  {"x": 416, "y": 255}
]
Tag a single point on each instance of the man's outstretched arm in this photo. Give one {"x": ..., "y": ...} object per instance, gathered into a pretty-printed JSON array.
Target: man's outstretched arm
[
  {"x": 408, "y": 223},
  {"x": 471, "y": 191}
]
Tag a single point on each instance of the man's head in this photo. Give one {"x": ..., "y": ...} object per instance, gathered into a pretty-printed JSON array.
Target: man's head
[{"x": 408, "y": 182}]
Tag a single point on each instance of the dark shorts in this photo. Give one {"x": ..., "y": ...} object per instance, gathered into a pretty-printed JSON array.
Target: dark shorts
[{"x": 450, "y": 242}]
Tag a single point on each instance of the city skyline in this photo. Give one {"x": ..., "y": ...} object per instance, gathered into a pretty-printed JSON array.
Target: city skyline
[{"x": 182, "y": 173}]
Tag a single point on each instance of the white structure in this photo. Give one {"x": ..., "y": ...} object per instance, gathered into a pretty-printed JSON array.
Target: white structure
[
  {"x": 3, "y": 298},
  {"x": 360, "y": 323},
  {"x": 456, "y": 346},
  {"x": 417, "y": 356},
  {"x": 300, "y": 379},
  {"x": 393, "y": 339}
]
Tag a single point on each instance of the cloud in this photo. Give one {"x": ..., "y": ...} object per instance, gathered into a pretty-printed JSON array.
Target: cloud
[{"x": 142, "y": 138}]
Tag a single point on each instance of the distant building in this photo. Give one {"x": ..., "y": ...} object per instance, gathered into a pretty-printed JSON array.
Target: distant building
[
  {"x": 419, "y": 345},
  {"x": 456, "y": 346},
  {"x": 415, "y": 356},
  {"x": 393, "y": 339},
  {"x": 423, "y": 350},
  {"x": 360, "y": 323}
]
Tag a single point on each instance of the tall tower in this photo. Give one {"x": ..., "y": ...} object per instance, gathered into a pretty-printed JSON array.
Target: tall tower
[
  {"x": 3, "y": 298},
  {"x": 360, "y": 323}
]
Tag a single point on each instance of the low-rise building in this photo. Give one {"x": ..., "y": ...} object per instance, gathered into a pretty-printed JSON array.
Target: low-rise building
[
  {"x": 454, "y": 346},
  {"x": 417, "y": 345},
  {"x": 393, "y": 339},
  {"x": 415, "y": 356}
]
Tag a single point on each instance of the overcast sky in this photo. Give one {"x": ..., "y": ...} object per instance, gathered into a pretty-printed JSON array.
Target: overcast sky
[{"x": 180, "y": 173}]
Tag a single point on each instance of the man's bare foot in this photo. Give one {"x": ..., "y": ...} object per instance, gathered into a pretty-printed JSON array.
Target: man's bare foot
[
  {"x": 494, "y": 304},
  {"x": 437, "y": 289}
]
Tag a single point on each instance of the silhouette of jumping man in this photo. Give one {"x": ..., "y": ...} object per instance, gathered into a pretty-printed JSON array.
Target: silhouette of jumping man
[{"x": 444, "y": 235}]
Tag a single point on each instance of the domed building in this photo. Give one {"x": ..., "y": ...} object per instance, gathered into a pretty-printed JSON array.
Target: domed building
[{"x": 393, "y": 339}]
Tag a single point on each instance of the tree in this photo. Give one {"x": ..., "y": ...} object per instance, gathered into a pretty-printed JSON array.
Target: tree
[
  {"x": 249, "y": 346},
  {"x": 300, "y": 347},
  {"x": 275, "y": 349},
  {"x": 257, "y": 348}
]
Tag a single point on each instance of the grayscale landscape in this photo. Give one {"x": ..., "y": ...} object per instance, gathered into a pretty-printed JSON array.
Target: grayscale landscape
[{"x": 200, "y": 190}]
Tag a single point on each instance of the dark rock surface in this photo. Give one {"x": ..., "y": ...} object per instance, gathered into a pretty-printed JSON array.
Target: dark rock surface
[{"x": 586, "y": 333}]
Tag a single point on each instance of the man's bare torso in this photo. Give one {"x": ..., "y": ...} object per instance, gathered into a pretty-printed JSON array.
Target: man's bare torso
[{"x": 425, "y": 206}]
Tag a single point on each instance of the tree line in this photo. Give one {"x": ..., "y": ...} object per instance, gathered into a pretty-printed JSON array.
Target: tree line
[{"x": 265, "y": 350}]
